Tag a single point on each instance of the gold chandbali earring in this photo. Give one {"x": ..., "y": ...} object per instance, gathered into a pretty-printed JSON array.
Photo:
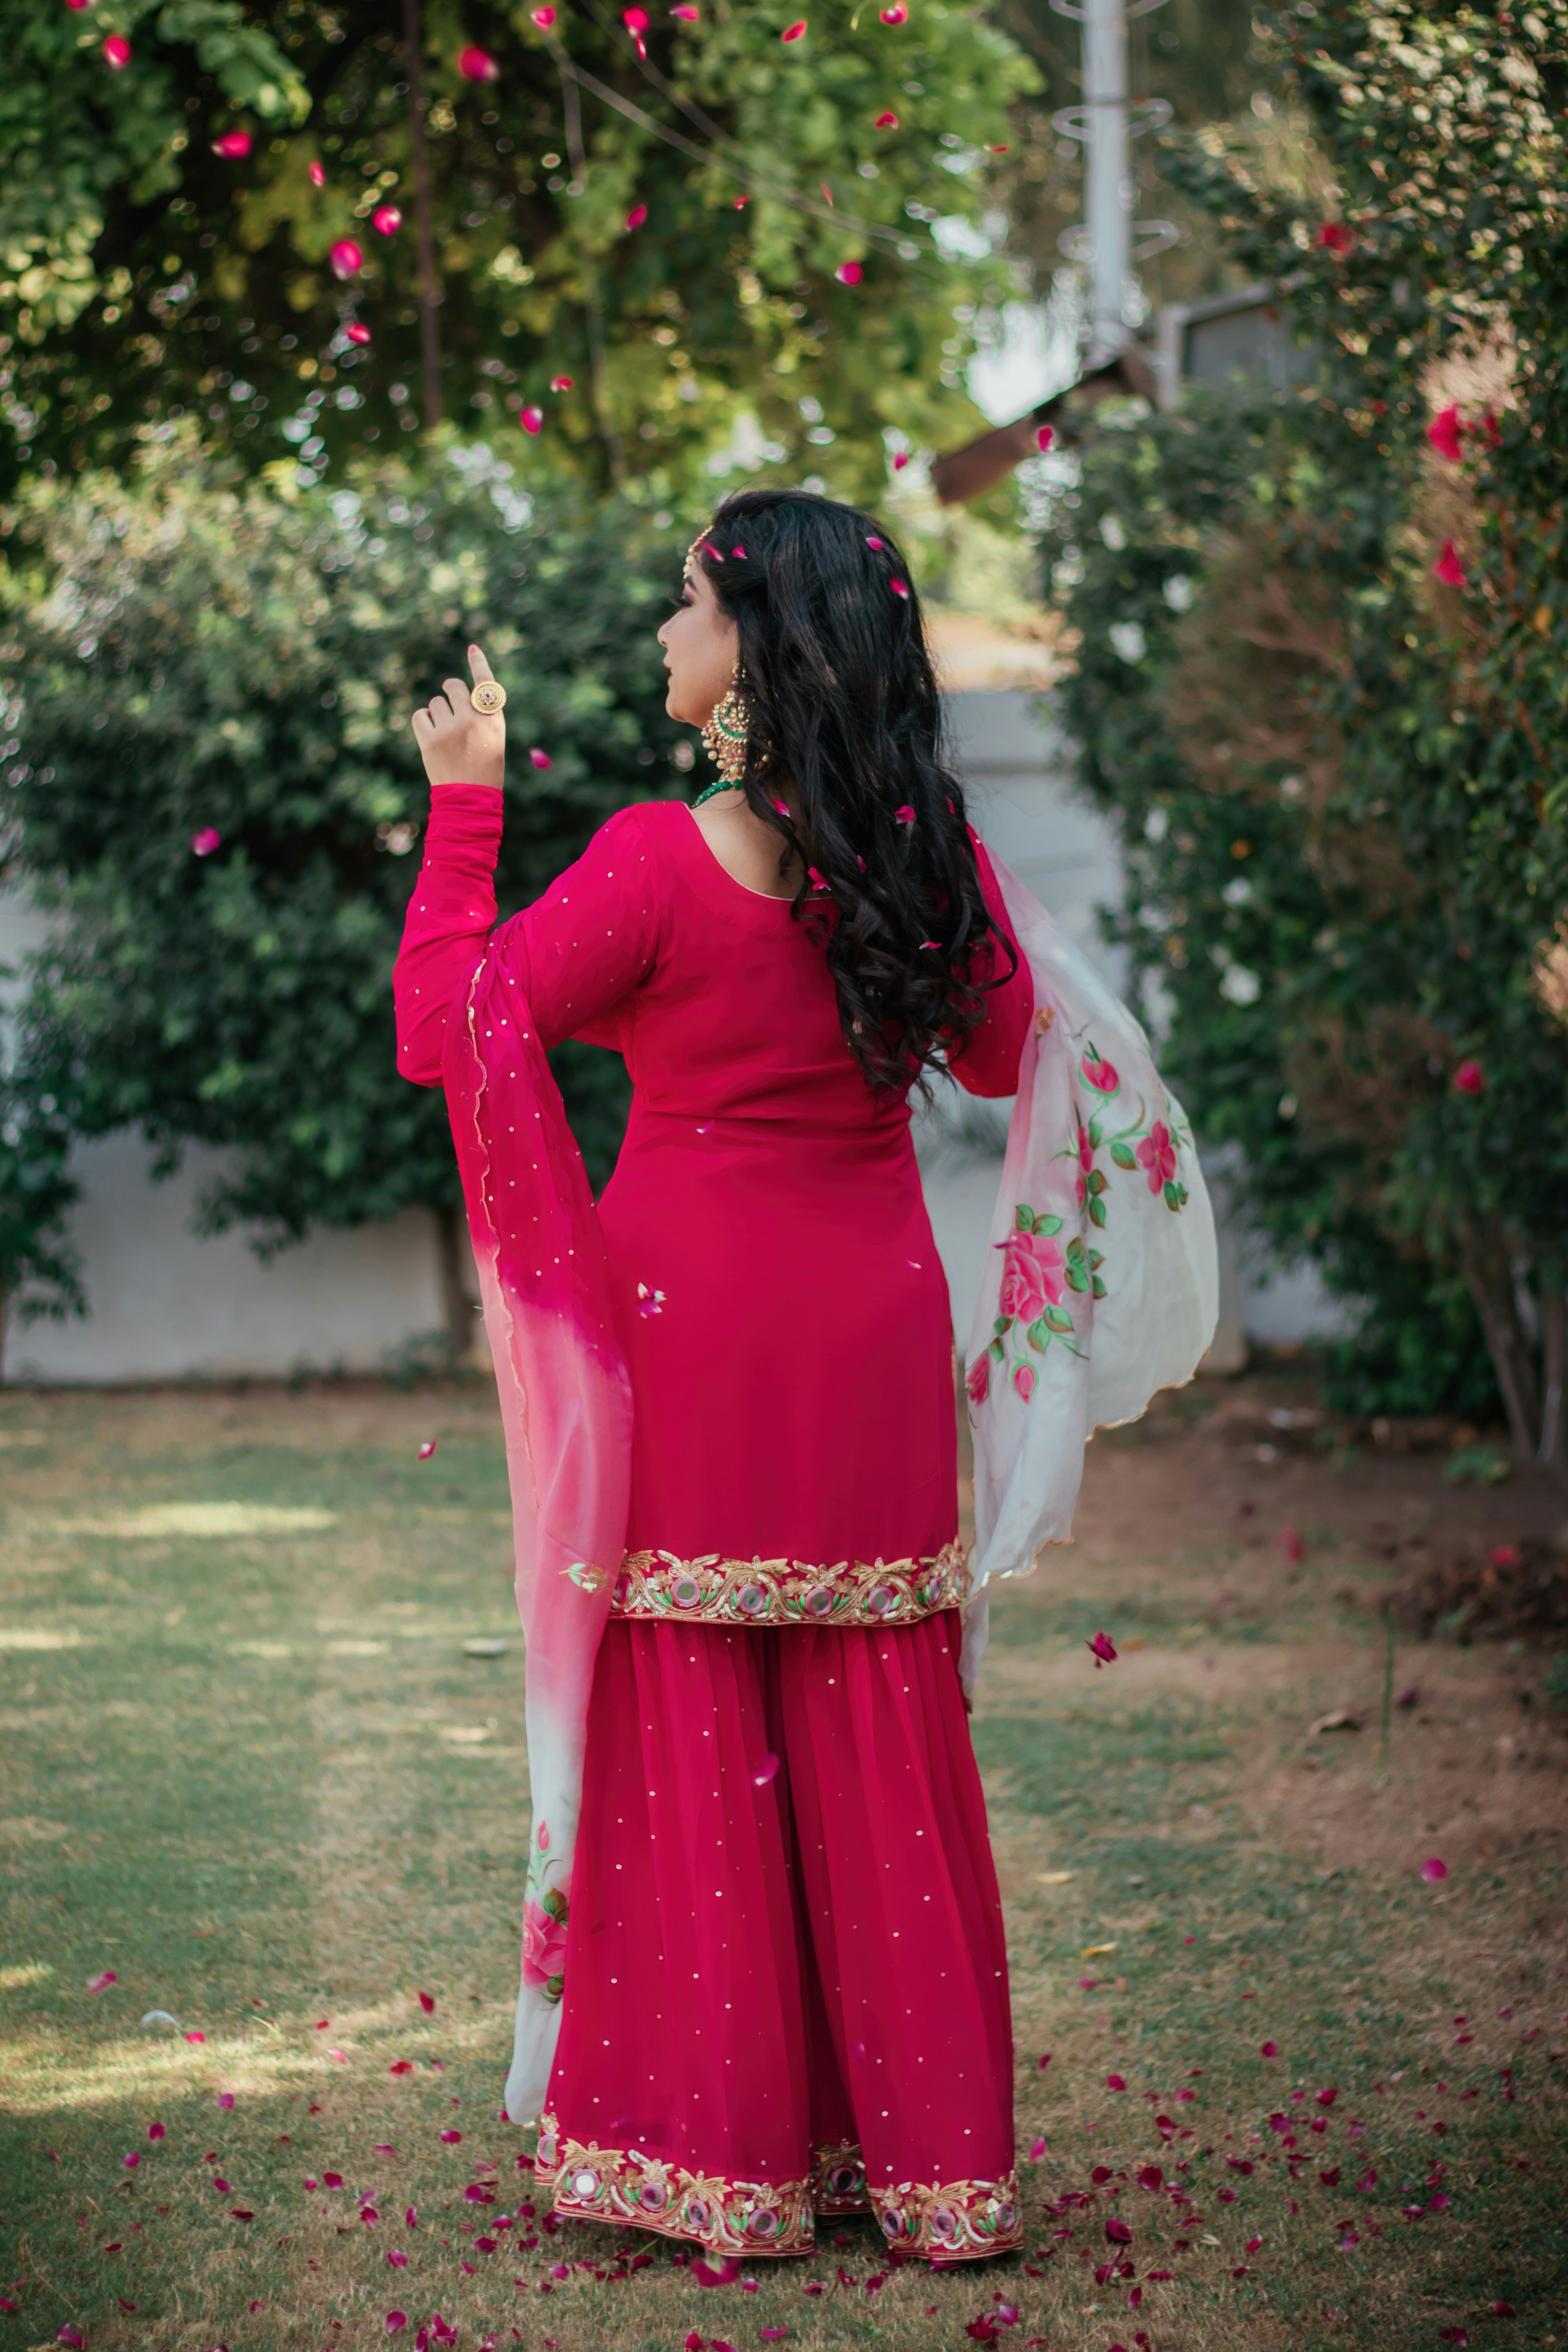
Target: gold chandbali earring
[{"x": 725, "y": 736}]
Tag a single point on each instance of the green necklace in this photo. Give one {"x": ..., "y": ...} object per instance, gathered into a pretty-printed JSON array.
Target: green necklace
[{"x": 721, "y": 786}]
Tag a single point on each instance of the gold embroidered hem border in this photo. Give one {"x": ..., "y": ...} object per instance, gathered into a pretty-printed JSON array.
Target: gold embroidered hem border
[
  {"x": 951, "y": 2221},
  {"x": 714, "y": 1591},
  {"x": 838, "y": 2181},
  {"x": 728, "y": 2217}
]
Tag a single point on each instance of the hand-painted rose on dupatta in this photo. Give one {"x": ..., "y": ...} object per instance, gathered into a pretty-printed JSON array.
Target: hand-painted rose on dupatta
[{"x": 1098, "y": 1290}]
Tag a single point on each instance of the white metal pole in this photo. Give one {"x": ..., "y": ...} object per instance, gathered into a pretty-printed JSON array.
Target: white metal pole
[{"x": 1108, "y": 215}]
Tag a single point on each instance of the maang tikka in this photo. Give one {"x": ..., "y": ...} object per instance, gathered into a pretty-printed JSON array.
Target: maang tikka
[{"x": 725, "y": 736}]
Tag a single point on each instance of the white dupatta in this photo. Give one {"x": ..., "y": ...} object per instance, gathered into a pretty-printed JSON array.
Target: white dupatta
[{"x": 1102, "y": 1280}]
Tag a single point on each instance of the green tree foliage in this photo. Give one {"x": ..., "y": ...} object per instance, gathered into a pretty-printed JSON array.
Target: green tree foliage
[
  {"x": 1321, "y": 685},
  {"x": 38, "y": 1266},
  {"x": 144, "y": 277},
  {"x": 200, "y": 666}
]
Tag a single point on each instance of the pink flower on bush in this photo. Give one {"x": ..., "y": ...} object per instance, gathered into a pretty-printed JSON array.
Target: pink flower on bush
[
  {"x": 1157, "y": 1155},
  {"x": 1032, "y": 1275},
  {"x": 1444, "y": 431},
  {"x": 1335, "y": 237},
  {"x": 1470, "y": 1078},
  {"x": 1098, "y": 1074},
  {"x": 543, "y": 1945},
  {"x": 1449, "y": 567},
  {"x": 978, "y": 1381}
]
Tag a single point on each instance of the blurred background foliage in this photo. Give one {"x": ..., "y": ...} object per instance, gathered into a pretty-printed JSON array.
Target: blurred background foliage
[
  {"x": 1321, "y": 687},
  {"x": 219, "y": 802}
]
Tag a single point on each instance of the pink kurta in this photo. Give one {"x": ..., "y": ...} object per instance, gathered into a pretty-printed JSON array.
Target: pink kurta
[
  {"x": 785, "y": 1954},
  {"x": 783, "y": 1309}
]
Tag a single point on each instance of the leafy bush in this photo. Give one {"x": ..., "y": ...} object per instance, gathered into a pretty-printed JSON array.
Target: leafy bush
[
  {"x": 1320, "y": 688},
  {"x": 213, "y": 787}
]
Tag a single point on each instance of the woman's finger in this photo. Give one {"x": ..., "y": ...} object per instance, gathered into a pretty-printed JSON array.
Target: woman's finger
[
  {"x": 457, "y": 694},
  {"x": 478, "y": 664},
  {"x": 421, "y": 725},
  {"x": 440, "y": 712}
]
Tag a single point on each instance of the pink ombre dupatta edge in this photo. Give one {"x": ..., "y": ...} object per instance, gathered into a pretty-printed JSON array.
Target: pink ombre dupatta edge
[{"x": 566, "y": 1413}]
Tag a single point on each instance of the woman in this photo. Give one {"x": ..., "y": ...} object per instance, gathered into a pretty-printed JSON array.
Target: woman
[{"x": 759, "y": 1864}]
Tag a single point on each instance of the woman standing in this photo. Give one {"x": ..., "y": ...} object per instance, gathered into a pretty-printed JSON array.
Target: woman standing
[{"x": 764, "y": 1975}]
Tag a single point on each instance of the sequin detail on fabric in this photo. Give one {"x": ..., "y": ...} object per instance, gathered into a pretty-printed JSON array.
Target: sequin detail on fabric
[
  {"x": 951, "y": 2221},
  {"x": 623, "y": 2185},
  {"x": 714, "y": 1591}
]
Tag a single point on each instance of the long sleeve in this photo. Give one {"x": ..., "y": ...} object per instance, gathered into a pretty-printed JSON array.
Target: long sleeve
[
  {"x": 580, "y": 951},
  {"x": 448, "y": 920},
  {"x": 988, "y": 1061}
]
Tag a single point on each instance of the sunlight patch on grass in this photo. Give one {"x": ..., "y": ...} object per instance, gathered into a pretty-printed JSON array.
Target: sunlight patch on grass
[{"x": 216, "y": 1521}]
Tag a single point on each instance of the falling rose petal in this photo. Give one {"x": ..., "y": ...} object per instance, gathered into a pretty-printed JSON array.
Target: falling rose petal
[
  {"x": 203, "y": 843},
  {"x": 904, "y": 814},
  {"x": 132, "y": 2161},
  {"x": 896, "y": 14},
  {"x": 346, "y": 259},
  {"x": 1044, "y": 437},
  {"x": 451, "y": 2137},
  {"x": 235, "y": 145},
  {"x": 241, "y": 2213},
  {"x": 998, "y": 150},
  {"x": 318, "y": 175},
  {"x": 766, "y": 1771},
  {"x": 739, "y": 553},
  {"x": 537, "y": 759},
  {"x": 1119, "y": 2232},
  {"x": 477, "y": 64},
  {"x": 337, "y": 2055},
  {"x": 1470, "y": 1078},
  {"x": 899, "y": 588},
  {"x": 1433, "y": 1867},
  {"x": 386, "y": 220},
  {"x": 398, "y": 2259},
  {"x": 1449, "y": 568},
  {"x": 687, "y": 15},
  {"x": 531, "y": 419},
  {"x": 395, "y": 2320},
  {"x": 195, "y": 2037},
  {"x": 401, "y": 2066},
  {"x": 901, "y": 460},
  {"x": 1326, "y": 2098},
  {"x": 384, "y": 2148},
  {"x": 1037, "y": 2149},
  {"x": 1335, "y": 237},
  {"x": 357, "y": 333},
  {"x": 560, "y": 384},
  {"x": 411, "y": 2218},
  {"x": 226, "y": 2099},
  {"x": 543, "y": 19},
  {"x": 426, "y": 1450},
  {"x": 1115, "y": 2082},
  {"x": 116, "y": 53},
  {"x": 874, "y": 544},
  {"x": 636, "y": 216},
  {"x": 888, "y": 121},
  {"x": 101, "y": 1983},
  {"x": 849, "y": 273},
  {"x": 1290, "y": 1544},
  {"x": 331, "y": 2180},
  {"x": 1270, "y": 2049},
  {"x": 72, "y": 2336},
  {"x": 1103, "y": 1650},
  {"x": 156, "y": 2131},
  {"x": 722, "y": 2274},
  {"x": 793, "y": 32}
]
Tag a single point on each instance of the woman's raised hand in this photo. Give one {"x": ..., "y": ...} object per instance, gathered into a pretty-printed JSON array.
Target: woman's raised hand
[{"x": 459, "y": 744}]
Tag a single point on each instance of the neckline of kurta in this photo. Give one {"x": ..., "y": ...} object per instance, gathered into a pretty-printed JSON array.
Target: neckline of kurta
[{"x": 711, "y": 857}]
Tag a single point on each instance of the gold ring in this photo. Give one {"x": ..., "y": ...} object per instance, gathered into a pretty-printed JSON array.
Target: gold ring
[{"x": 489, "y": 697}]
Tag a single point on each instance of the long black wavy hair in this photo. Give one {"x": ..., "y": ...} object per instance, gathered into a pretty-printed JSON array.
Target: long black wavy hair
[{"x": 845, "y": 717}]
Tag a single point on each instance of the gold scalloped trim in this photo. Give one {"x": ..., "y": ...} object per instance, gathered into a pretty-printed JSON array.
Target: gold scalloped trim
[
  {"x": 714, "y": 1591},
  {"x": 644, "y": 2192},
  {"x": 951, "y": 2221}
]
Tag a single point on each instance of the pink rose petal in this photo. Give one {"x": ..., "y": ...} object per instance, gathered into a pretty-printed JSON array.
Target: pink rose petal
[
  {"x": 426, "y": 1450},
  {"x": 318, "y": 175},
  {"x": 539, "y": 759},
  {"x": 101, "y": 1983},
  {"x": 235, "y": 145},
  {"x": 357, "y": 333},
  {"x": 132, "y": 2161},
  {"x": 1449, "y": 567},
  {"x": 1433, "y": 1867},
  {"x": 793, "y": 32},
  {"x": 531, "y": 419},
  {"x": 116, "y": 53},
  {"x": 543, "y": 19},
  {"x": 226, "y": 2099},
  {"x": 395, "y": 2320},
  {"x": 888, "y": 121},
  {"x": 560, "y": 384},
  {"x": 477, "y": 64},
  {"x": 386, "y": 220},
  {"x": 1115, "y": 2082},
  {"x": 896, "y": 14},
  {"x": 1103, "y": 1650},
  {"x": 156, "y": 2131},
  {"x": 203, "y": 843},
  {"x": 398, "y": 2259},
  {"x": 848, "y": 273},
  {"x": 636, "y": 216},
  {"x": 346, "y": 258}
]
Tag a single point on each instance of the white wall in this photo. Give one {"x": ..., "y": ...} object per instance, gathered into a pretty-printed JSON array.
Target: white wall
[{"x": 165, "y": 1304}]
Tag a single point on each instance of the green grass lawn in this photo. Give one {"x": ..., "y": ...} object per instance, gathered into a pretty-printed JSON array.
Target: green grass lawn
[{"x": 252, "y": 1771}]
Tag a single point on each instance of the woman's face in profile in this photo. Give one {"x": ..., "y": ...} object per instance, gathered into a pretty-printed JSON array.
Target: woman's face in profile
[{"x": 700, "y": 643}]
